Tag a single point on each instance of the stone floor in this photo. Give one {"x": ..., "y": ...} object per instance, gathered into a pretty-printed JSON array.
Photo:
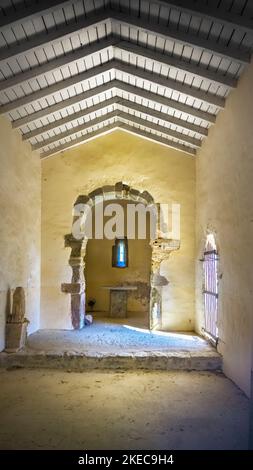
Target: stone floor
[
  {"x": 52, "y": 409},
  {"x": 110, "y": 336},
  {"x": 112, "y": 345}
]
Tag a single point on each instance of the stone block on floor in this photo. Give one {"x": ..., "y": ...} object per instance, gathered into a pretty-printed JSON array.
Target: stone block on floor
[{"x": 16, "y": 334}]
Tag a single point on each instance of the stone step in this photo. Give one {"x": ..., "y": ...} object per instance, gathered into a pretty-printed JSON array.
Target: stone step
[{"x": 76, "y": 361}]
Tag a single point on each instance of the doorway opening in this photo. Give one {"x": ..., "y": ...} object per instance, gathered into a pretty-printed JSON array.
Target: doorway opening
[
  {"x": 210, "y": 291},
  {"x": 160, "y": 247},
  {"x": 117, "y": 274}
]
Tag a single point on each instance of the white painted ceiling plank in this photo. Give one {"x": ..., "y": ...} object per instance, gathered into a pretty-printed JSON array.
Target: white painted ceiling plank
[{"x": 170, "y": 82}]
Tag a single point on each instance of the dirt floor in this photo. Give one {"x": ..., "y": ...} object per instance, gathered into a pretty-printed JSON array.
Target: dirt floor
[{"x": 52, "y": 409}]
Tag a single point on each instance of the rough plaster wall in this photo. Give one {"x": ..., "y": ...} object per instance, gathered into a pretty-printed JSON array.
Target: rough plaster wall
[
  {"x": 20, "y": 211},
  {"x": 225, "y": 205},
  {"x": 99, "y": 253},
  {"x": 167, "y": 174}
]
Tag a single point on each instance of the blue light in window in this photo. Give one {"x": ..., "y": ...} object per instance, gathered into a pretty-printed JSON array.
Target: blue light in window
[{"x": 121, "y": 254}]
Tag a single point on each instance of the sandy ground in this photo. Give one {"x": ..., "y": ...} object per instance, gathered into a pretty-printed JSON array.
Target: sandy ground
[
  {"x": 51, "y": 409},
  {"x": 108, "y": 336}
]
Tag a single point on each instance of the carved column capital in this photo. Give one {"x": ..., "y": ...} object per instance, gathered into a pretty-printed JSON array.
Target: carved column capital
[{"x": 161, "y": 250}]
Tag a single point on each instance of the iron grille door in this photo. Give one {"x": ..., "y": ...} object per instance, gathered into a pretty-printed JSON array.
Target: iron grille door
[{"x": 211, "y": 292}]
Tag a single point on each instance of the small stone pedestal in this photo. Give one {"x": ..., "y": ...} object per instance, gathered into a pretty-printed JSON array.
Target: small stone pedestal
[
  {"x": 16, "y": 326},
  {"x": 15, "y": 336},
  {"x": 118, "y": 303}
]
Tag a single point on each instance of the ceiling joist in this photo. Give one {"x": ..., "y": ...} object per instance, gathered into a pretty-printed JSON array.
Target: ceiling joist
[
  {"x": 160, "y": 69},
  {"x": 65, "y": 31},
  {"x": 185, "y": 125},
  {"x": 39, "y": 131},
  {"x": 118, "y": 124},
  {"x": 155, "y": 138},
  {"x": 56, "y": 64},
  {"x": 186, "y": 139},
  {"x": 80, "y": 140},
  {"x": 16, "y": 14},
  {"x": 12, "y": 16},
  {"x": 124, "y": 115},
  {"x": 54, "y": 35},
  {"x": 130, "y": 105},
  {"x": 121, "y": 87},
  {"x": 122, "y": 46},
  {"x": 74, "y": 130},
  {"x": 112, "y": 66},
  {"x": 216, "y": 48},
  {"x": 211, "y": 13},
  {"x": 178, "y": 64}
]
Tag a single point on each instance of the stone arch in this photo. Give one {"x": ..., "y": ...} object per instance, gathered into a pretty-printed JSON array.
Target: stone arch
[
  {"x": 120, "y": 191},
  {"x": 161, "y": 249}
]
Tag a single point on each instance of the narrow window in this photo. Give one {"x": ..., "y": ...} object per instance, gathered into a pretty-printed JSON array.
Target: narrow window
[
  {"x": 120, "y": 253},
  {"x": 210, "y": 291}
]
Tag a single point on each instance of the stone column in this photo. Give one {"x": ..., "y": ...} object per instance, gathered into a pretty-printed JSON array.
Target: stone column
[
  {"x": 77, "y": 286},
  {"x": 161, "y": 249},
  {"x": 78, "y": 296}
]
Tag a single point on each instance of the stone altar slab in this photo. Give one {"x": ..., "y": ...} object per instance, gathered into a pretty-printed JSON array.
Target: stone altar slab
[{"x": 118, "y": 300}]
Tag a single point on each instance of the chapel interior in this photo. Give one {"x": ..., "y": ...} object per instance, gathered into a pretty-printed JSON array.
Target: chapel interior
[{"x": 107, "y": 106}]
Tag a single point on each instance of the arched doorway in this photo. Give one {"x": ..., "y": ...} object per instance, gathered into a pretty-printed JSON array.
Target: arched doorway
[
  {"x": 210, "y": 291},
  {"x": 160, "y": 250},
  {"x": 106, "y": 267}
]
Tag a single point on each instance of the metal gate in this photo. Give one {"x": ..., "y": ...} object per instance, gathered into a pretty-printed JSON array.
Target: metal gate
[{"x": 211, "y": 290}]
